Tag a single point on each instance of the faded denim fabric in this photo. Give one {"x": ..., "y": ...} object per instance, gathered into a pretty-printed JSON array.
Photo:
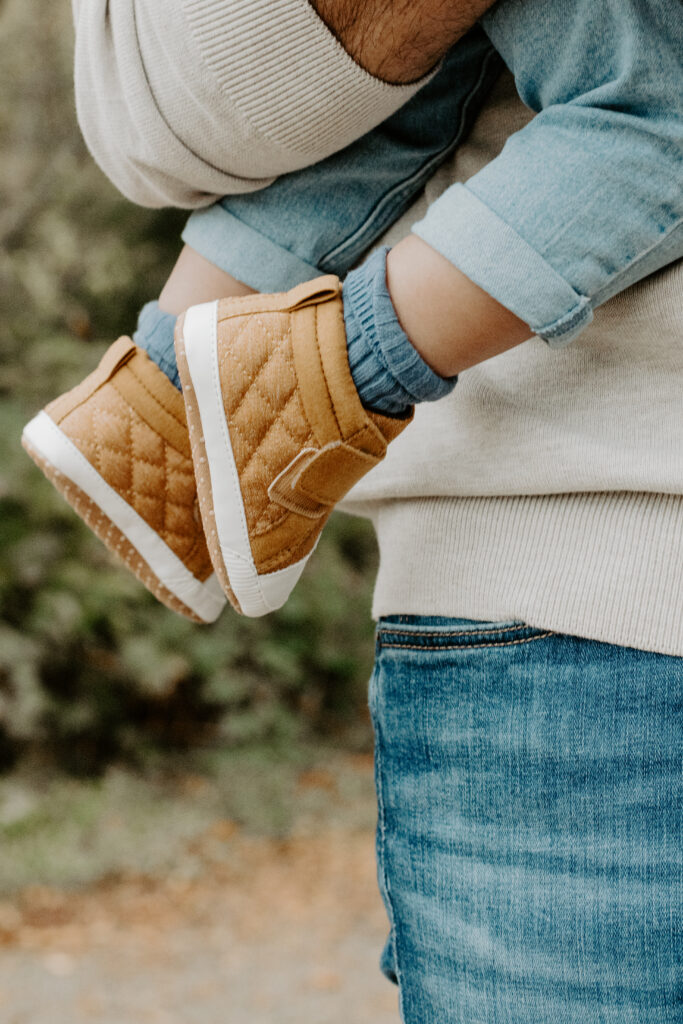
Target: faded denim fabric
[
  {"x": 587, "y": 198},
  {"x": 530, "y": 829},
  {"x": 324, "y": 218},
  {"x": 582, "y": 202}
]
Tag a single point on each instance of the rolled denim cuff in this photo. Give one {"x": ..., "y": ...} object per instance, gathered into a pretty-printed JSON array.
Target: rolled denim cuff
[
  {"x": 240, "y": 250},
  {"x": 491, "y": 253}
]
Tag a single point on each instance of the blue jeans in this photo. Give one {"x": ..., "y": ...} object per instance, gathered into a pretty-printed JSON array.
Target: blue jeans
[
  {"x": 582, "y": 202},
  {"x": 530, "y": 831}
]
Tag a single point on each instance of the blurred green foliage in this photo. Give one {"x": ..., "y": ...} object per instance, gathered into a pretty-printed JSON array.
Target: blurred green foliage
[{"x": 92, "y": 668}]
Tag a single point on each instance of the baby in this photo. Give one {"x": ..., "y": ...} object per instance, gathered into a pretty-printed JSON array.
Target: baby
[{"x": 211, "y": 466}]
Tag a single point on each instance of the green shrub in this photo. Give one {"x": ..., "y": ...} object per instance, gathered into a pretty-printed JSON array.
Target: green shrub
[{"x": 91, "y": 668}]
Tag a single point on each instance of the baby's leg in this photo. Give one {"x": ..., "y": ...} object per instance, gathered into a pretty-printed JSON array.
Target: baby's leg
[
  {"x": 377, "y": 177},
  {"x": 322, "y": 219},
  {"x": 581, "y": 203},
  {"x": 193, "y": 280}
]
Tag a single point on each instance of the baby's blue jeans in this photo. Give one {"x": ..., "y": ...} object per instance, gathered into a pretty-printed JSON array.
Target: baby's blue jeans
[
  {"x": 583, "y": 201},
  {"x": 530, "y": 831}
]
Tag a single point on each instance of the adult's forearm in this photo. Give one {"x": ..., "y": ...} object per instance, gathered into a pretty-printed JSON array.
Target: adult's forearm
[{"x": 399, "y": 40}]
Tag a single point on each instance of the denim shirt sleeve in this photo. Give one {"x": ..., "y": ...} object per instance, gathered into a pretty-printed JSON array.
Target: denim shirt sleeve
[{"x": 587, "y": 198}]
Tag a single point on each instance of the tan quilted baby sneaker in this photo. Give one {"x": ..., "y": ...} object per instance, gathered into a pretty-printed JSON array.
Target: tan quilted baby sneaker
[
  {"x": 116, "y": 447},
  {"x": 277, "y": 430}
]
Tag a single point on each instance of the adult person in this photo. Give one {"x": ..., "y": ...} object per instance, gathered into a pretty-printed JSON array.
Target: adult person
[{"x": 530, "y": 650}]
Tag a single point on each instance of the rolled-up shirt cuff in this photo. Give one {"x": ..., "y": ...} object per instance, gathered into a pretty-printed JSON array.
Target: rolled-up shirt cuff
[
  {"x": 240, "y": 250},
  {"x": 478, "y": 242}
]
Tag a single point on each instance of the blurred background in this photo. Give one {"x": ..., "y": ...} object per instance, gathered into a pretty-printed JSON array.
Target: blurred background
[{"x": 186, "y": 813}]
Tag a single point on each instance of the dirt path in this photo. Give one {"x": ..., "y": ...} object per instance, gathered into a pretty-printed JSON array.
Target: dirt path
[{"x": 265, "y": 930}]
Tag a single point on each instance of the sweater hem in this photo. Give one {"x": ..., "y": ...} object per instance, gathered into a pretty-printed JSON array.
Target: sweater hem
[{"x": 603, "y": 566}]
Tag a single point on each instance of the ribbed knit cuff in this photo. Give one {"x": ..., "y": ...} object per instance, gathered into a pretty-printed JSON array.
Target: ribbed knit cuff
[
  {"x": 600, "y": 565},
  {"x": 289, "y": 75},
  {"x": 388, "y": 371}
]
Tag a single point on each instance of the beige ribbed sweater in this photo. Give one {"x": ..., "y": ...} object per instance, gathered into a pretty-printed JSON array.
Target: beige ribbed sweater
[
  {"x": 549, "y": 486},
  {"x": 184, "y": 101}
]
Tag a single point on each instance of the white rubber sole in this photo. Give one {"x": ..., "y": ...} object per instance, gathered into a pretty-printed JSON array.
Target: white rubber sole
[
  {"x": 257, "y": 594},
  {"x": 206, "y": 600}
]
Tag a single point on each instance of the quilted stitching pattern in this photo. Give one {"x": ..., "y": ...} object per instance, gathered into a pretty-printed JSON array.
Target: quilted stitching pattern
[
  {"x": 267, "y": 423},
  {"x": 285, "y": 386},
  {"x": 102, "y": 526},
  {"x": 152, "y": 477}
]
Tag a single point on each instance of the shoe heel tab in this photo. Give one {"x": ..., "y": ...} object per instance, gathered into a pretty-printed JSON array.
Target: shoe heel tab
[
  {"x": 116, "y": 356},
  {"x": 312, "y": 293},
  {"x": 113, "y": 359}
]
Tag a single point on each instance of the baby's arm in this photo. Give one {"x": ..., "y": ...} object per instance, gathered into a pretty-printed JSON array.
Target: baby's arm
[{"x": 587, "y": 198}]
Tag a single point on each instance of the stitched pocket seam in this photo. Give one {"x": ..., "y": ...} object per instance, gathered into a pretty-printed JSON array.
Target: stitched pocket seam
[
  {"x": 456, "y": 632},
  {"x": 465, "y": 647}
]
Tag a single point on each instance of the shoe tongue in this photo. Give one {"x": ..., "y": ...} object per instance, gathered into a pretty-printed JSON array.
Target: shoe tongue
[{"x": 116, "y": 356}]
